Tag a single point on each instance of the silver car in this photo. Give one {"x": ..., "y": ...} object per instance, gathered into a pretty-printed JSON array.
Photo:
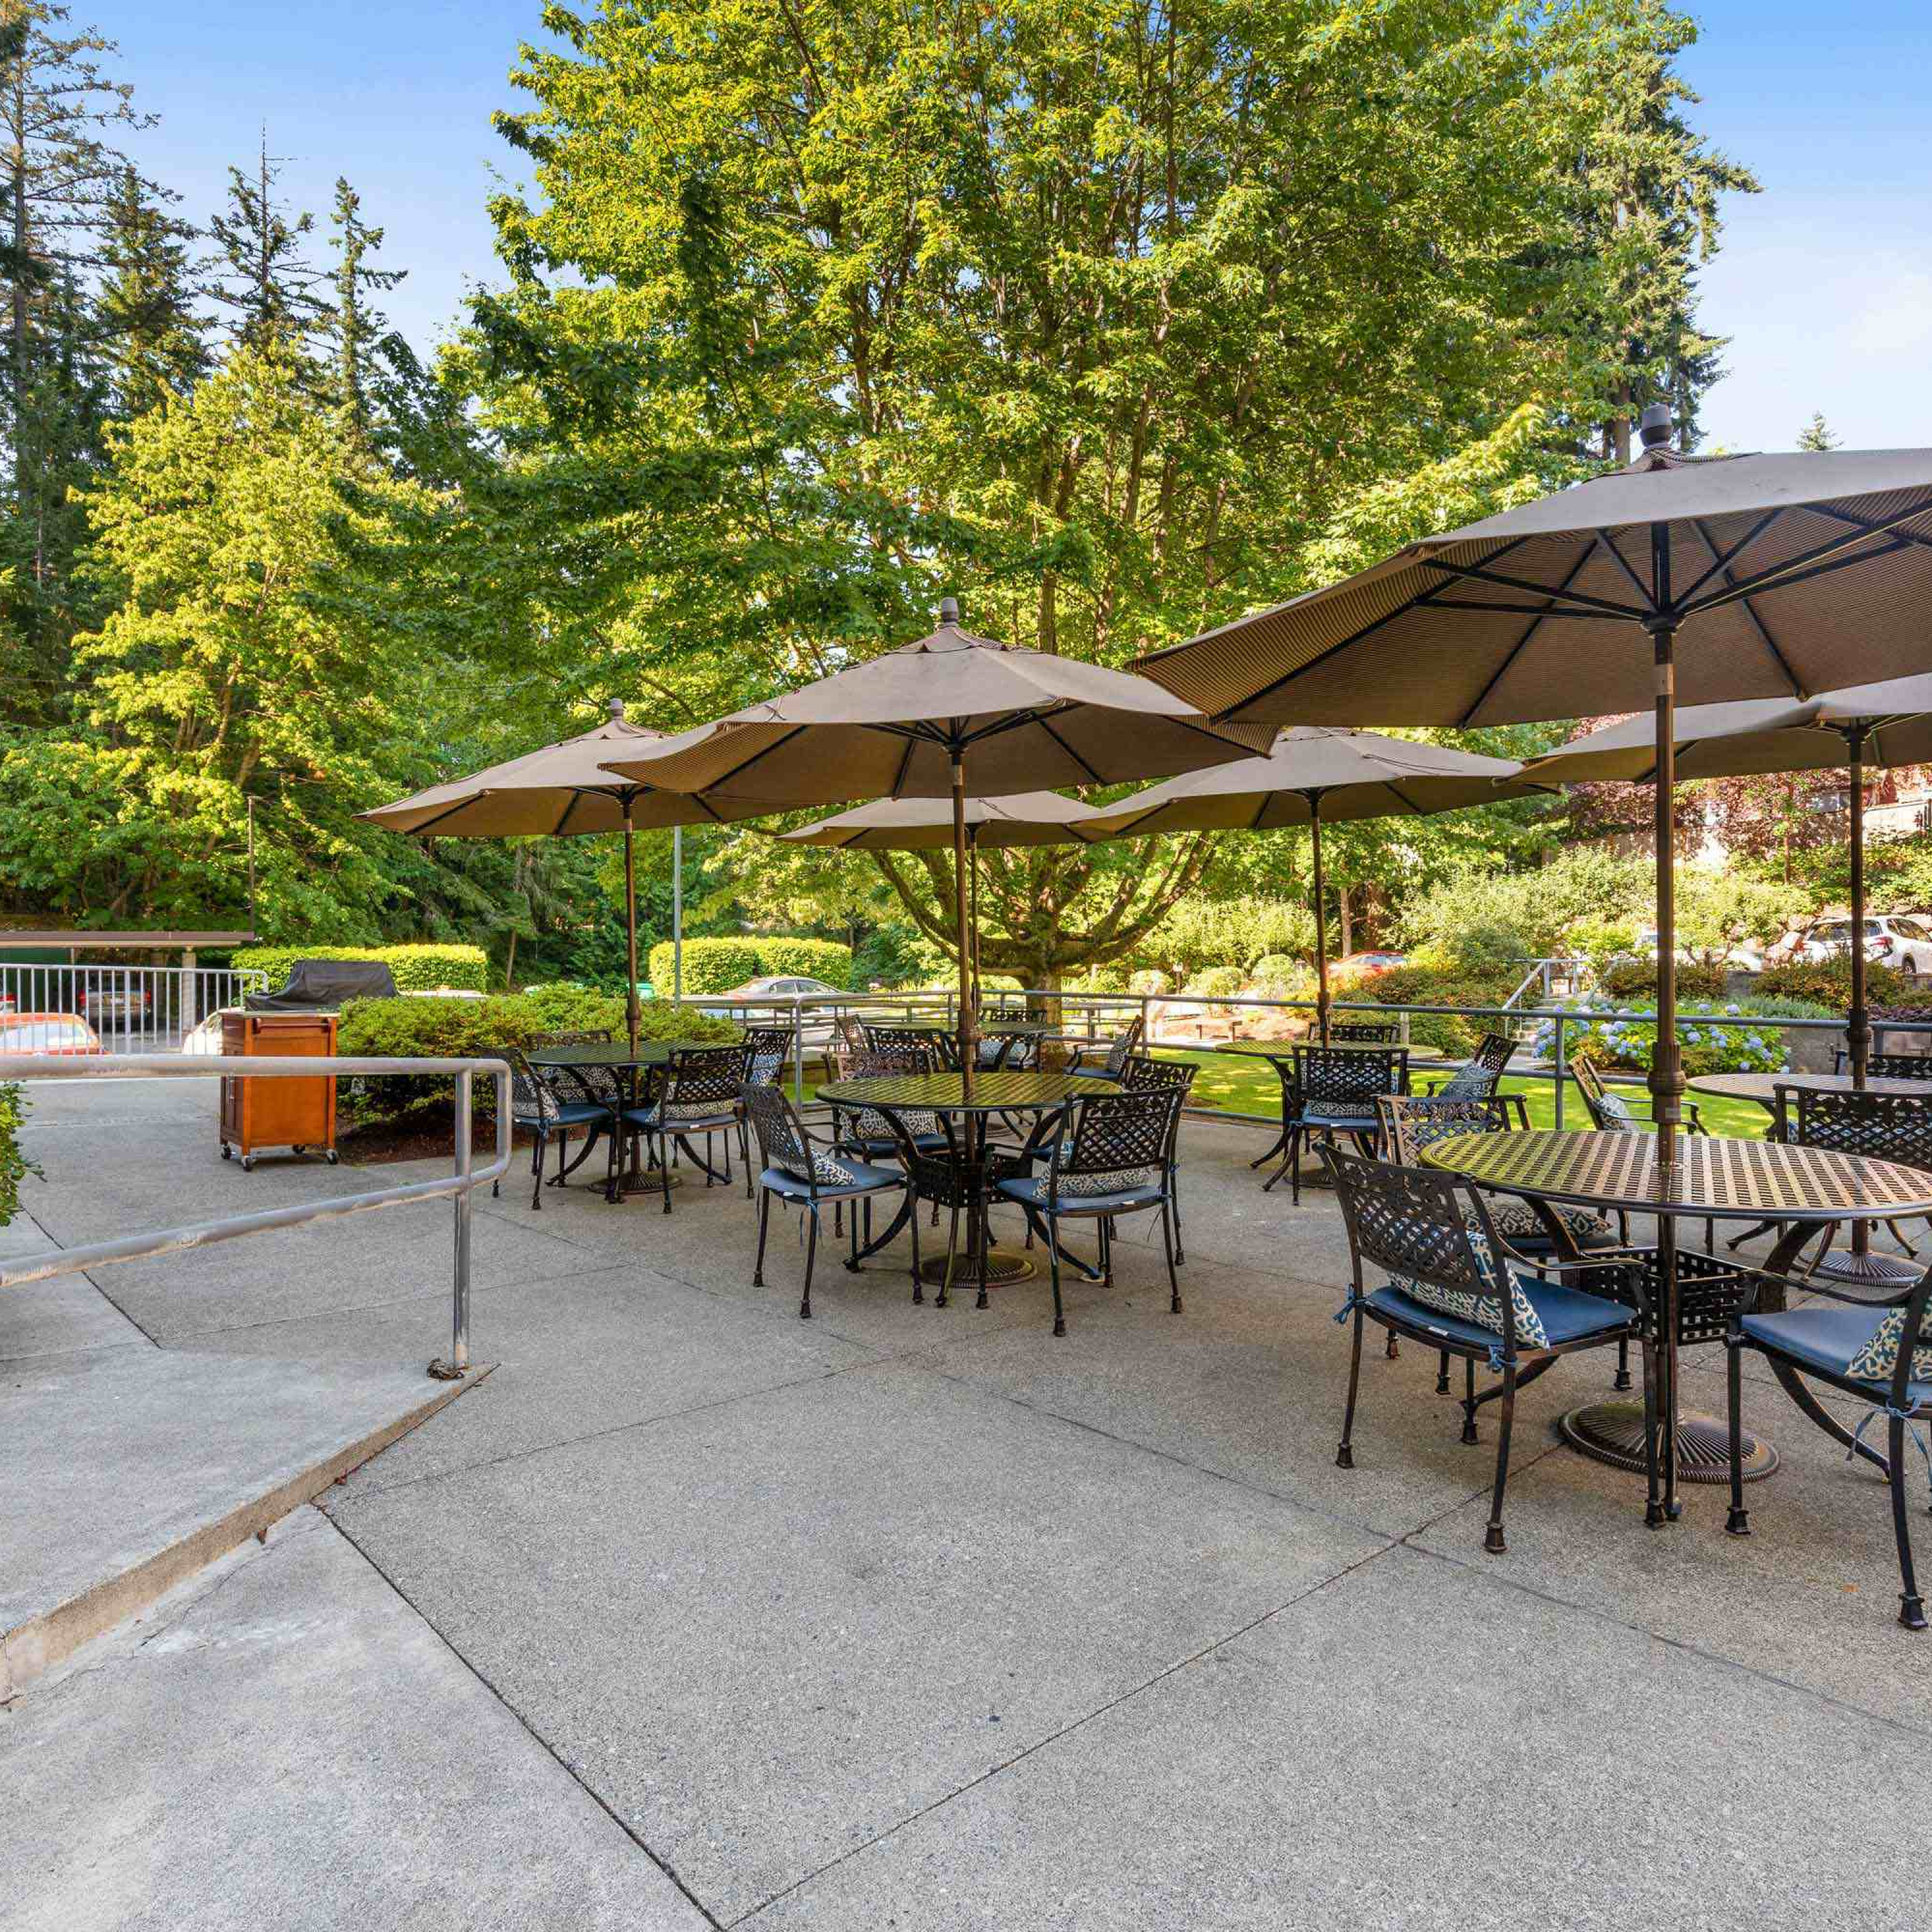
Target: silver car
[{"x": 1892, "y": 940}]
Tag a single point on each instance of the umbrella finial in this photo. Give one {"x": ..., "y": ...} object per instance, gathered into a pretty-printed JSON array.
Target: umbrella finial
[
  {"x": 616, "y": 711},
  {"x": 949, "y": 610},
  {"x": 1653, "y": 427}
]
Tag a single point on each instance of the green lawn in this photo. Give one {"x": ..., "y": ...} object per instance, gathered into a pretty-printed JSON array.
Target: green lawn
[{"x": 1242, "y": 1085}]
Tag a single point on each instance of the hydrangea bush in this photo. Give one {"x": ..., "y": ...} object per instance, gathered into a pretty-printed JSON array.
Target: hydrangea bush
[{"x": 1706, "y": 1048}]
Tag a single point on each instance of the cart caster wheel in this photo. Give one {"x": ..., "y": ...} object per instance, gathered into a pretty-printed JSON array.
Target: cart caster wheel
[
  {"x": 227, "y": 1152},
  {"x": 298, "y": 1148},
  {"x": 333, "y": 1157},
  {"x": 247, "y": 1163}
]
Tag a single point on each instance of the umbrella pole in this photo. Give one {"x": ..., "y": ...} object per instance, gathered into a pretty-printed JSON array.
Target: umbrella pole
[
  {"x": 972, "y": 859},
  {"x": 959, "y": 913},
  {"x": 1858, "y": 1021},
  {"x": 1321, "y": 919},
  {"x": 630, "y": 1015}
]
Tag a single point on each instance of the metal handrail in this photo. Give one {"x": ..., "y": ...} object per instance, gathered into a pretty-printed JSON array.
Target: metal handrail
[{"x": 460, "y": 1186}]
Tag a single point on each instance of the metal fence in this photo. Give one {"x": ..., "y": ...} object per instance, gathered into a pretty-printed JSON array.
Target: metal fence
[
  {"x": 818, "y": 1022},
  {"x": 63, "y": 1009},
  {"x": 458, "y": 1187}
]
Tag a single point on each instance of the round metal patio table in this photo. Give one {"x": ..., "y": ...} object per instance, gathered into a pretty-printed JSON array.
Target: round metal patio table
[
  {"x": 975, "y": 1100},
  {"x": 1803, "y": 1187},
  {"x": 615, "y": 1056},
  {"x": 1857, "y": 1264}
]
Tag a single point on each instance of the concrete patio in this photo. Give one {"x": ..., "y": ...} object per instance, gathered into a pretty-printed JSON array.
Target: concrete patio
[{"x": 693, "y": 1614}]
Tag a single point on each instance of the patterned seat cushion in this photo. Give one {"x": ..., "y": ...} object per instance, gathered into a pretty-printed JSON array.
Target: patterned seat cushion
[
  {"x": 1860, "y": 1343},
  {"x": 787, "y": 1177},
  {"x": 1481, "y": 1311},
  {"x": 869, "y": 1124},
  {"x": 1517, "y": 1221},
  {"x": 1615, "y": 1108},
  {"x": 685, "y": 1113},
  {"x": 1355, "y": 1116},
  {"x": 564, "y": 1114},
  {"x": 1563, "y": 1314},
  {"x": 1470, "y": 1081},
  {"x": 1127, "y": 1187}
]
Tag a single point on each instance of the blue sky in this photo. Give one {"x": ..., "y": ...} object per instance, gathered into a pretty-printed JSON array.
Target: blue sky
[{"x": 1825, "y": 282}]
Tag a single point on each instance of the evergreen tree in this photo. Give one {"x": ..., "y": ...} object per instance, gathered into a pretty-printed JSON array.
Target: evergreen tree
[
  {"x": 1816, "y": 434},
  {"x": 356, "y": 326},
  {"x": 150, "y": 335},
  {"x": 262, "y": 273}
]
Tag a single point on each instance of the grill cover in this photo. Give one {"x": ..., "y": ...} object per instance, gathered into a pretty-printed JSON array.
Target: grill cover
[{"x": 322, "y": 986}]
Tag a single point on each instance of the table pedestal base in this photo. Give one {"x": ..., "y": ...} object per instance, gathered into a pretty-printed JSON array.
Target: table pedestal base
[
  {"x": 1612, "y": 1433},
  {"x": 644, "y": 1180},
  {"x": 1881, "y": 1272},
  {"x": 1001, "y": 1265}
]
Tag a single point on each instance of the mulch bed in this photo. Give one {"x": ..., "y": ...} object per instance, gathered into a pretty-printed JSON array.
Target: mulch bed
[{"x": 423, "y": 1135}]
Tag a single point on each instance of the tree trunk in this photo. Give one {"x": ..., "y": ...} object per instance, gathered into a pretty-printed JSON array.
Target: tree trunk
[{"x": 1341, "y": 917}]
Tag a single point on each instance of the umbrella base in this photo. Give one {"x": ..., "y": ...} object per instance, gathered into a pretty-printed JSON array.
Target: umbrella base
[
  {"x": 1886, "y": 1272},
  {"x": 1611, "y": 1432},
  {"x": 998, "y": 1267},
  {"x": 644, "y": 1180}
]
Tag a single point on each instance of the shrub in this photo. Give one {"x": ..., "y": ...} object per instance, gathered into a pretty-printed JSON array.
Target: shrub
[
  {"x": 464, "y": 1029},
  {"x": 14, "y": 1166},
  {"x": 1628, "y": 979},
  {"x": 415, "y": 969},
  {"x": 1276, "y": 976},
  {"x": 1152, "y": 982},
  {"x": 1706, "y": 1049},
  {"x": 1229, "y": 932},
  {"x": 1432, "y": 984},
  {"x": 1829, "y": 982},
  {"x": 1215, "y": 983},
  {"x": 710, "y": 965},
  {"x": 824, "y": 959},
  {"x": 1478, "y": 919},
  {"x": 1098, "y": 979}
]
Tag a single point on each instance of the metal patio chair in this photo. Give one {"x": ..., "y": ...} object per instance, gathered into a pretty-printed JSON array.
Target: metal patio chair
[
  {"x": 1334, "y": 1090},
  {"x": 1107, "y": 1155},
  {"x": 1365, "y": 1032},
  {"x": 1144, "y": 1075},
  {"x": 549, "y": 1109},
  {"x": 1618, "y": 1113},
  {"x": 793, "y": 1168},
  {"x": 1456, "y": 1286},
  {"x": 1100, "y": 1062},
  {"x": 699, "y": 1092}
]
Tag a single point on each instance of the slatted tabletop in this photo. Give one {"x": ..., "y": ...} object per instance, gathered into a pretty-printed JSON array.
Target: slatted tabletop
[
  {"x": 948, "y": 1093},
  {"x": 1762, "y": 1087},
  {"x": 1727, "y": 1179}
]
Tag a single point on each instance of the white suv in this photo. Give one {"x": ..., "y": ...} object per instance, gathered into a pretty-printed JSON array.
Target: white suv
[{"x": 1904, "y": 944}]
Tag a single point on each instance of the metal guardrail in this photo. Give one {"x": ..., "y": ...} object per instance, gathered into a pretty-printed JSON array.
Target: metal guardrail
[
  {"x": 130, "y": 1009},
  {"x": 460, "y": 1186},
  {"x": 800, "y": 1011}
]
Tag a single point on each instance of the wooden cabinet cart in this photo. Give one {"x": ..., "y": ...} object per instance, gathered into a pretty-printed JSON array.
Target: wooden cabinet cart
[{"x": 296, "y": 1113}]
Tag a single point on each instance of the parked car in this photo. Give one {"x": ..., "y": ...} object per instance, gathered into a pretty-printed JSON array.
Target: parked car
[
  {"x": 775, "y": 995},
  {"x": 121, "y": 1006},
  {"x": 1367, "y": 965},
  {"x": 47, "y": 1032},
  {"x": 1904, "y": 944}
]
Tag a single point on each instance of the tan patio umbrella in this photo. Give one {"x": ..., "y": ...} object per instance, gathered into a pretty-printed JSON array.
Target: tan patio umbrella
[
  {"x": 1888, "y": 723},
  {"x": 925, "y": 825},
  {"x": 563, "y": 789},
  {"x": 1317, "y": 775},
  {"x": 1727, "y": 577},
  {"x": 951, "y": 715}
]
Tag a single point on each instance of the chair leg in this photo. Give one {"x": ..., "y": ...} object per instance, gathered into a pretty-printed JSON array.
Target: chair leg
[
  {"x": 536, "y": 1172},
  {"x": 1442, "y": 1372},
  {"x": 1390, "y": 1348},
  {"x": 852, "y": 1264},
  {"x": 811, "y": 1256},
  {"x": 1345, "y": 1453},
  {"x": 764, "y": 1223},
  {"x": 1620, "y": 1380},
  {"x": 945, "y": 1294},
  {"x": 745, "y": 1158},
  {"x": 1911, "y": 1605},
  {"x": 1053, "y": 1258},
  {"x": 1492, "y": 1536},
  {"x": 1294, "y": 1168},
  {"x": 912, "y": 1222},
  {"x": 1167, "y": 1242},
  {"x": 1738, "y": 1521},
  {"x": 665, "y": 1149},
  {"x": 1469, "y": 1398},
  {"x": 1653, "y": 1409}
]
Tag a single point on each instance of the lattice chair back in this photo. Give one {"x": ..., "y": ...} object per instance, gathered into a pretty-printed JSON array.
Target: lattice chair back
[
  {"x": 783, "y": 1142},
  {"x": 1608, "y": 1113},
  {"x": 1899, "y": 1066},
  {"x": 603, "y": 1086},
  {"x": 1366, "y": 1032},
  {"x": 1141, "y": 1075},
  {"x": 914, "y": 1061},
  {"x": 1122, "y": 1049},
  {"x": 702, "y": 1083},
  {"x": 1478, "y": 1075},
  {"x": 1878, "y": 1126},
  {"x": 766, "y": 1050},
  {"x": 992, "y": 1054},
  {"x": 1412, "y": 1122},
  {"x": 1424, "y": 1229},
  {"x": 1355, "y": 1078},
  {"x": 937, "y": 1040},
  {"x": 532, "y": 1099},
  {"x": 1115, "y": 1142}
]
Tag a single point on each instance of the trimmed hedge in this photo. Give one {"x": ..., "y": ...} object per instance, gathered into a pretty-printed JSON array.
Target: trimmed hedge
[
  {"x": 1452, "y": 1033},
  {"x": 1829, "y": 982},
  {"x": 415, "y": 969},
  {"x": 436, "y": 1029},
  {"x": 1628, "y": 980},
  {"x": 717, "y": 965}
]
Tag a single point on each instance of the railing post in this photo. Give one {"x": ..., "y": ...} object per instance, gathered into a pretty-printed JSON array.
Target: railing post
[
  {"x": 797, "y": 1054},
  {"x": 1562, "y": 1075},
  {"x": 457, "y": 1365}
]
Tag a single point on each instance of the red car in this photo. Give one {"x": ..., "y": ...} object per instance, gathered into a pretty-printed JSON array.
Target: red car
[
  {"x": 1367, "y": 965},
  {"x": 47, "y": 1032}
]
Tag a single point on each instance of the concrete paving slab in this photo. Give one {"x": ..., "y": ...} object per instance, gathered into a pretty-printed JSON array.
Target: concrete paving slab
[
  {"x": 768, "y": 1632},
  {"x": 61, "y": 1316},
  {"x": 1418, "y": 1745},
  {"x": 293, "y": 1746},
  {"x": 127, "y": 1470}
]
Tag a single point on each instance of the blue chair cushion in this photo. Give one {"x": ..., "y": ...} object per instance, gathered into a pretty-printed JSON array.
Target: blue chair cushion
[
  {"x": 692, "y": 1117},
  {"x": 1033, "y": 1190},
  {"x": 1561, "y": 1314},
  {"x": 884, "y": 1147},
  {"x": 1859, "y": 1343},
  {"x": 1520, "y": 1225},
  {"x": 566, "y": 1114},
  {"x": 834, "y": 1177},
  {"x": 1340, "y": 1114}
]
